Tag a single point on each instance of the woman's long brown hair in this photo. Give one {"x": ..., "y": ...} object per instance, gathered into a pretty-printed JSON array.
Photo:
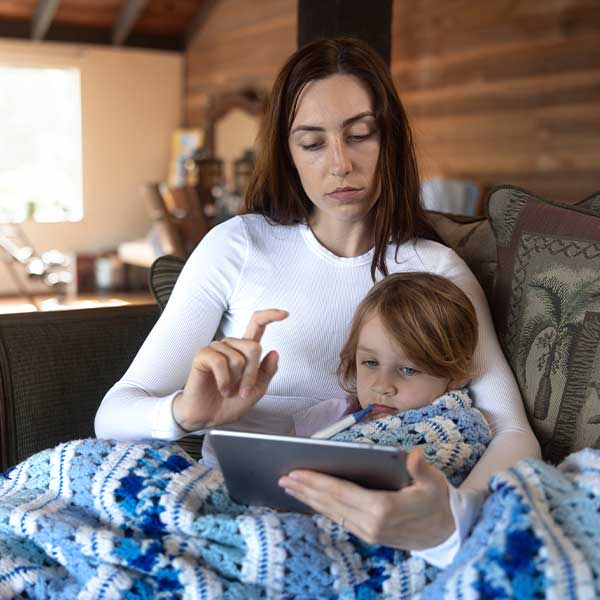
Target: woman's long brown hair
[{"x": 275, "y": 190}]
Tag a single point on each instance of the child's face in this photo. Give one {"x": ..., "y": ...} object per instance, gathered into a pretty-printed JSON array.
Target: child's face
[{"x": 385, "y": 375}]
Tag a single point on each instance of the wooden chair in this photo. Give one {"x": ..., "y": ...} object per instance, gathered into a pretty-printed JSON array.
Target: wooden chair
[
  {"x": 184, "y": 210},
  {"x": 170, "y": 239}
]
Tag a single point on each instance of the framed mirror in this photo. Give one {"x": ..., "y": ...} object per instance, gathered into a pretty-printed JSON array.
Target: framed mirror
[
  {"x": 232, "y": 124},
  {"x": 222, "y": 167}
]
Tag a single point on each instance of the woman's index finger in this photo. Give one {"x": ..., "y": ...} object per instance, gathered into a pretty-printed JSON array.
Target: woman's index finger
[{"x": 259, "y": 321}]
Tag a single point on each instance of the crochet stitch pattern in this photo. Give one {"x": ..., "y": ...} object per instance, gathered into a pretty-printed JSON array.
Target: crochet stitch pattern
[{"x": 95, "y": 519}]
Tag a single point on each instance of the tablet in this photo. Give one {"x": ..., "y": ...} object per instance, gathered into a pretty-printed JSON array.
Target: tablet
[{"x": 252, "y": 463}]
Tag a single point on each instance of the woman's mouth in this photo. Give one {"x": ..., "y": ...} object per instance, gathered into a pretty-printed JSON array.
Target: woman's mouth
[{"x": 345, "y": 193}]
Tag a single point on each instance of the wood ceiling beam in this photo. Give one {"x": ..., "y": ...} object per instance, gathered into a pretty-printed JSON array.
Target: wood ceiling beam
[
  {"x": 198, "y": 20},
  {"x": 42, "y": 19},
  {"x": 130, "y": 12}
]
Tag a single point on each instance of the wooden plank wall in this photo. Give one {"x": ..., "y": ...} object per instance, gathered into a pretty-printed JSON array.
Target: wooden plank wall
[
  {"x": 242, "y": 42},
  {"x": 501, "y": 91}
]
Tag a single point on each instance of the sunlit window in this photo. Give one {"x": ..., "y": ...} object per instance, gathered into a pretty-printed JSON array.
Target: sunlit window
[{"x": 40, "y": 144}]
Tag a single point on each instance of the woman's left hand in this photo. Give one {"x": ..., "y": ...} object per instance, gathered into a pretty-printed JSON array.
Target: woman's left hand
[{"x": 413, "y": 518}]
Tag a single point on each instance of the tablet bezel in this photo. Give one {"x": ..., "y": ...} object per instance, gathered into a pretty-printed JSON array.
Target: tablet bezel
[{"x": 252, "y": 464}]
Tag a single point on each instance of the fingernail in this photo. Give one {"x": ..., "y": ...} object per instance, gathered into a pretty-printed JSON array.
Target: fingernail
[
  {"x": 246, "y": 391},
  {"x": 289, "y": 491}
]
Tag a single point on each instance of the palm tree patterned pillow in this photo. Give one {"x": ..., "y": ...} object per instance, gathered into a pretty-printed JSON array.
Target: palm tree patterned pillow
[{"x": 546, "y": 303}]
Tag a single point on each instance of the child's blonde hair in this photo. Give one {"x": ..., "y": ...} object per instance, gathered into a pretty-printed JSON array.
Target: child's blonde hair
[{"x": 430, "y": 317}]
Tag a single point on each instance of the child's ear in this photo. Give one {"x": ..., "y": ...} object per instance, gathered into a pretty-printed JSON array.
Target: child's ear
[{"x": 456, "y": 384}]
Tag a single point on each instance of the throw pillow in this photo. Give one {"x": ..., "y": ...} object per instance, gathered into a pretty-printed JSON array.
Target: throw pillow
[
  {"x": 473, "y": 240},
  {"x": 546, "y": 304},
  {"x": 162, "y": 277}
]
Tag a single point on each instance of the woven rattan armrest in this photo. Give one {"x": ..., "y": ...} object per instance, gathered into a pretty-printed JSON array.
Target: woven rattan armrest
[{"x": 55, "y": 368}]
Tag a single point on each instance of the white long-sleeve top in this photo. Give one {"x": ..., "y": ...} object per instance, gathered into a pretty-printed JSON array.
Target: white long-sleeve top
[{"x": 247, "y": 264}]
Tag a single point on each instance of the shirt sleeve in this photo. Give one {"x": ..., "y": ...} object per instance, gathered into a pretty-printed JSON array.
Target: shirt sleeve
[
  {"x": 496, "y": 394},
  {"x": 494, "y": 389},
  {"x": 465, "y": 506},
  {"x": 139, "y": 405}
]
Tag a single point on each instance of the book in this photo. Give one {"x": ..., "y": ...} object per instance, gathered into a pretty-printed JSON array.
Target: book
[{"x": 184, "y": 143}]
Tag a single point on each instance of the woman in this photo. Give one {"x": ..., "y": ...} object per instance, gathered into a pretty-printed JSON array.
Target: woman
[{"x": 333, "y": 205}]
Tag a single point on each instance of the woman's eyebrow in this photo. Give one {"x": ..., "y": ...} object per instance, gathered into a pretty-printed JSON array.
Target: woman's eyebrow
[
  {"x": 358, "y": 117},
  {"x": 345, "y": 123}
]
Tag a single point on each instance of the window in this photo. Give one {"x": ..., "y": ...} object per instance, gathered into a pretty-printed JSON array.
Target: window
[{"x": 40, "y": 144}]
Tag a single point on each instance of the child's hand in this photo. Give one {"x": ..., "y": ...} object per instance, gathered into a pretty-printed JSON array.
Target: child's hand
[{"x": 227, "y": 377}]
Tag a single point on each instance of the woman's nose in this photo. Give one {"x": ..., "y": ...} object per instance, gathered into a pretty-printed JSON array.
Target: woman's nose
[{"x": 341, "y": 164}]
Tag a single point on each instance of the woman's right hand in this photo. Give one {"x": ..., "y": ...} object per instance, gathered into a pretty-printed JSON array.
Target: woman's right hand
[{"x": 227, "y": 377}]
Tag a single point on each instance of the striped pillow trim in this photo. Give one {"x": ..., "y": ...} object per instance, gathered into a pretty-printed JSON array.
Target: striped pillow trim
[{"x": 163, "y": 275}]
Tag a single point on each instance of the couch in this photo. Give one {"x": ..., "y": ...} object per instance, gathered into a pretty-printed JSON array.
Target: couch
[
  {"x": 538, "y": 262},
  {"x": 55, "y": 367}
]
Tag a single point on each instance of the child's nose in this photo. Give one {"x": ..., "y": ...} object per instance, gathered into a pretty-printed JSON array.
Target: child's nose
[{"x": 384, "y": 386}]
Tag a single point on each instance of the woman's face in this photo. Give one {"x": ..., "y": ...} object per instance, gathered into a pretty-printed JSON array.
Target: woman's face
[{"x": 334, "y": 143}]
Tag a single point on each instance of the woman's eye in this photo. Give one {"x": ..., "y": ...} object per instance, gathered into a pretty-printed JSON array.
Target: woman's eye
[
  {"x": 408, "y": 370},
  {"x": 370, "y": 363},
  {"x": 311, "y": 147},
  {"x": 358, "y": 138}
]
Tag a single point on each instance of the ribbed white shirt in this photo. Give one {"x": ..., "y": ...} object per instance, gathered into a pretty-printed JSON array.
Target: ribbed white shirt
[{"x": 247, "y": 264}]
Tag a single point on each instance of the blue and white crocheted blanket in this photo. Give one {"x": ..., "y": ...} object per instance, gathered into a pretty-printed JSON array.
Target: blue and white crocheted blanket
[{"x": 94, "y": 519}]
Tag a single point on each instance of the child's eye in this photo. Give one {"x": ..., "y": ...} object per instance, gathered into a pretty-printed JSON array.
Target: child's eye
[
  {"x": 408, "y": 370},
  {"x": 370, "y": 363}
]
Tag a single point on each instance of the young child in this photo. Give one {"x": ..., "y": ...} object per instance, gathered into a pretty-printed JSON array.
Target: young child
[{"x": 411, "y": 341}]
